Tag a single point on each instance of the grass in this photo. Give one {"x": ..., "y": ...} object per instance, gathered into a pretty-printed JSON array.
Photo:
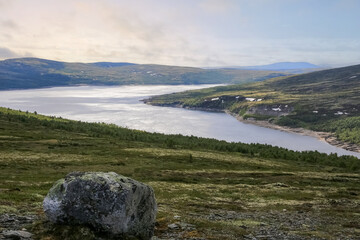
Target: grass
[{"x": 194, "y": 182}]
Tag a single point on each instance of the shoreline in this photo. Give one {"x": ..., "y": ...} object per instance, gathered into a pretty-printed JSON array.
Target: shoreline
[{"x": 323, "y": 136}]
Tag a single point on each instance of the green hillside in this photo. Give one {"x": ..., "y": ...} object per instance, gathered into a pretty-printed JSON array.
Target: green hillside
[
  {"x": 26, "y": 73},
  {"x": 327, "y": 100},
  {"x": 220, "y": 190}
]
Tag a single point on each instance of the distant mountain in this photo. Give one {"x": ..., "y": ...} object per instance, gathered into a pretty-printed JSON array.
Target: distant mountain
[
  {"x": 23, "y": 73},
  {"x": 291, "y": 67},
  {"x": 283, "y": 66},
  {"x": 112, "y": 64}
]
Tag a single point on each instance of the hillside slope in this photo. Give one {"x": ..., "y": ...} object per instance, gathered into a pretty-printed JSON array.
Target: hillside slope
[
  {"x": 218, "y": 190},
  {"x": 327, "y": 100},
  {"x": 26, "y": 73}
]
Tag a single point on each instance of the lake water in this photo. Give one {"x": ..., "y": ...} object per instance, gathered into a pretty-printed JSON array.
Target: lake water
[{"x": 121, "y": 105}]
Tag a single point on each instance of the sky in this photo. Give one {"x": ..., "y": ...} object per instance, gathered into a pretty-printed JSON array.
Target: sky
[{"x": 199, "y": 33}]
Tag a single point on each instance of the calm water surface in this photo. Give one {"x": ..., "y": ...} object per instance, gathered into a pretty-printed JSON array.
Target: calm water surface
[{"x": 121, "y": 105}]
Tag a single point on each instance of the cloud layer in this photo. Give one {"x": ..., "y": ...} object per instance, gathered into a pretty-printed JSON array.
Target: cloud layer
[{"x": 186, "y": 32}]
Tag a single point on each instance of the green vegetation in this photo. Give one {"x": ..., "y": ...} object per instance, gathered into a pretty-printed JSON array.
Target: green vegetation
[
  {"x": 227, "y": 190},
  {"x": 327, "y": 100},
  {"x": 26, "y": 73},
  {"x": 346, "y": 129}
]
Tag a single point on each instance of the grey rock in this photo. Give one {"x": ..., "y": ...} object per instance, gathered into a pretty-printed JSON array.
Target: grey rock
[
  {"x": 173, "y": 226},
  {"x": 17, "y": 235},
  {"x": 108, "y": 202},
  {"x": 187, "y": 226}
]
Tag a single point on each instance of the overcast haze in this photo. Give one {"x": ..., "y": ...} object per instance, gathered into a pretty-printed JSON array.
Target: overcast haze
[{"x": 183, "y": 32}]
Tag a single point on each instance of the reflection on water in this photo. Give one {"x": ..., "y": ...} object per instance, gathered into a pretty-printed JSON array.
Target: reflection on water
[{"x": 121, "y": 105}]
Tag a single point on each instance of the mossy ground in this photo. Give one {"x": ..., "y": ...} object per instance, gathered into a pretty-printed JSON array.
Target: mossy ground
[{"x": 226, "y": 195}]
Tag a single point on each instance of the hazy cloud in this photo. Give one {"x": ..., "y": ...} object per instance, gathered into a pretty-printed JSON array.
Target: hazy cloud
[
  {"x": 182, "y": 32},
  {"x": 8, "y": 24},
  {"x": 3, "y": 3},
  {"x": 7, "y": 53},
  {"x": 217, "y": 6}
]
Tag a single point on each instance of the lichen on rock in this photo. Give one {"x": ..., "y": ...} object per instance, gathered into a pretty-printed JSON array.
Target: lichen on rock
[{"x": 107, "y": 202}]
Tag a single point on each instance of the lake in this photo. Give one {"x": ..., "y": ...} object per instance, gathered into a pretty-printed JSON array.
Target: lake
[{"x": 121, "y": 105}]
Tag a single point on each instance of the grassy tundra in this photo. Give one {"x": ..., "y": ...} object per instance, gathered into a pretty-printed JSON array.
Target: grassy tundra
[{"x": 209, "y": 189}]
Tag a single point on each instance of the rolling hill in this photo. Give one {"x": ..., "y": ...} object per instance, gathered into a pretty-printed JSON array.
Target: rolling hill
[
  {"x": 23, "y": 73},
  {"x": 216, "y": 189},
  {"x": 327, "y": 100}
]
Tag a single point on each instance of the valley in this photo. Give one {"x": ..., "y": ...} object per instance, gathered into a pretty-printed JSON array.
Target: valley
[
  {"x": 205, "y": 188},
  {"x": 180, "y": 120},
  {"x": 123, "y": 106}
]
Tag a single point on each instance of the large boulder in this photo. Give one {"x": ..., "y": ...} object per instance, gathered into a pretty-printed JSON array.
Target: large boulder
[{"x": 108, "y": 202}]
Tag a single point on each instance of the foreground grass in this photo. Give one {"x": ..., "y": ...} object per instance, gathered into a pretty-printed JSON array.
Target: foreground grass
[{"x": 226, "y": 194}]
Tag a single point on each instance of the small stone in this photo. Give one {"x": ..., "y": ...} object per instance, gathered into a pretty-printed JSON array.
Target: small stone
[
  {"x": 187, "y": 226},
  {"x": 173, "y": 226},
  {"x": 177, "y": 217},
  {"x": 262, "y": 237}
]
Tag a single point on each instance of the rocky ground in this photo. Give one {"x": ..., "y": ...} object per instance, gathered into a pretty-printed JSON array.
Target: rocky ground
[
  {"x": 273, "y": 225},
  {"x": 308, "y": 223},
  {"x": 16, "y": 227}
]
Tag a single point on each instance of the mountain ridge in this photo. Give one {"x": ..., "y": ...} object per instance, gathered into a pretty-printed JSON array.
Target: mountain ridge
[
  {"x": 289, "y": 67},
  {"x": 24, "y": 73},
  {"x": 282, "y": 66}
]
